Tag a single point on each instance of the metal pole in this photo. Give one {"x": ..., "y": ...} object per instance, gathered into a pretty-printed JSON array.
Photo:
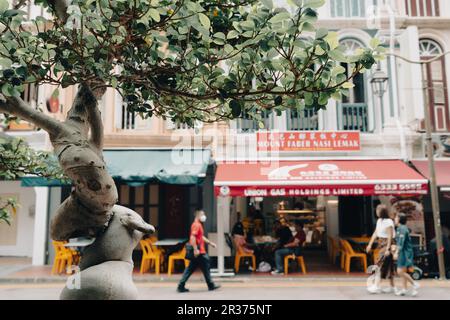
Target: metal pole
[
  {"x": 431, "y": 166},
  {"x": 433, "y": 184}
]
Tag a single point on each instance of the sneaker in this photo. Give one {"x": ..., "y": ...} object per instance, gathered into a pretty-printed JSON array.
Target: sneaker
[
  {"x": 374, "y": 290},
  {"x": 400, "y": 292},
  {"x": 416, "y": 285},
  {"x": 214, "y": 287},
  {"x": 276, "y": 273},
  {"x": 414, "y": 292},
  {"x": 182, "y": 289},
  {"x": 388, "y": 290}
]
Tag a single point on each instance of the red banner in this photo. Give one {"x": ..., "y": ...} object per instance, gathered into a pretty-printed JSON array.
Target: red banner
[
  {"x": 322, "y": 190},
  {"x": 314, "y": 141},
  {"x": 314, "y": 178}
]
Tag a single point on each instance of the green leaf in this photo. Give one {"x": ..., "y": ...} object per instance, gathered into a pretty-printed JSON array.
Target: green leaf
[
  {"x": 267, "y": 3},
  {"x": 204, "y": 20},
  {"x": 374, "y": 43},
  {"x": 248, "y": 25},
  {"x": 337, "y": 70},
  {"x": 321, "y": 33},
  {"x": 307, "y": 26},
  {"x": 4, "y": 5},
  {"x": 333, "y": 40},
  {"x": 282, "y": 16},
  {"x": 278, "y": 100},
  {"x": 232, "y": 34},
  {"x": 348, "y": 85},
  {"x": 337, "y": 55},
  {"x": 236, "y": 108},
  {"x": 313, "y": 3},
  {"x": 154, "y": 14}
]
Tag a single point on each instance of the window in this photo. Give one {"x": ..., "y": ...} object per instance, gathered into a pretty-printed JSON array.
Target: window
[
  {"x": 435, "y": 81},
  {"x": 303, "y": 120},
  {"x": 246, "y": 124},
  {"x": 144, "y": 200},
  {"x": 422, "y": 8},
  {"x": 353, "y": 111},
  {"x": 129, "y": 120},
  {"x": 350, "y": 8}
]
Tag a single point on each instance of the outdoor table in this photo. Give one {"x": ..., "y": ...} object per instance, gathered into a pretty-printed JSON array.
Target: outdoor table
[
  {"x": 169, "y": 242},
  {"x": 80, "y": 243},
  {"x": 168, "y": 246},
  {"x": 265, "y": 244}
]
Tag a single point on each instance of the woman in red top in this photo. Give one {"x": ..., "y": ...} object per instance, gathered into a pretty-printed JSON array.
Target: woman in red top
[{"x": 197, "y": 240}]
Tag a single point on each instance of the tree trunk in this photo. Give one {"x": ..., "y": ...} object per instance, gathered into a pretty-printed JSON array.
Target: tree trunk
[{"x": 90, "y": 209}]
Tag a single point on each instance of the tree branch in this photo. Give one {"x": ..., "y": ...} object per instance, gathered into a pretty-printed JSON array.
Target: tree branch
[
  {"x": 18, "y": 107},
  {"x": 93, "y": 115}
]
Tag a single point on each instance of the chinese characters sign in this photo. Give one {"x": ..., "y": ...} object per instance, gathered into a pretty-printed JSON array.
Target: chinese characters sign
[{"x": 312, "y": 141}]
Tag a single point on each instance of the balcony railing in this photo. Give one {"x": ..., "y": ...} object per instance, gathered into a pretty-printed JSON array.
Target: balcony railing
[
  {"x": 422, "y": 8},
  {"x": 245, "y": 124},
  {"x": 350, "y": 8},
  {"x": 303, "y": 120},
  {"x": 128, "y": 119},
  {"x": 353, "y": 117}
]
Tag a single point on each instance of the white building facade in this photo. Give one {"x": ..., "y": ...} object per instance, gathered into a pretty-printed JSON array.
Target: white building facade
[{"x": 391, "y": 126}]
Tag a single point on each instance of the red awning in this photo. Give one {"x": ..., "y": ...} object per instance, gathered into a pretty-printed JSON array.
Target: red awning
[
  {"x": 313, "y": 178},
  {"x": 442, "y": 167}
]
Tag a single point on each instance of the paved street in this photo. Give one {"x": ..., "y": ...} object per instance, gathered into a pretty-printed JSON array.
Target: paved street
[{"x": 254, "y": 290}]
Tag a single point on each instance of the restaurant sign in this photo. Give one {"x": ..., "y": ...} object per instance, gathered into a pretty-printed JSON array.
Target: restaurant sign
[
  {"x": 310, "y": 141},
  {"x": 362, "y": 189}
]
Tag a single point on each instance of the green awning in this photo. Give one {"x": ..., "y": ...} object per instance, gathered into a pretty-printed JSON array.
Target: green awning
[{"x": 139, "y": 167}]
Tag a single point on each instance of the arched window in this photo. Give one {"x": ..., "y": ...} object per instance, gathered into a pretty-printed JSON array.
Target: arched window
[
  {"x": 429, "y": 48},
  {"x": 354, "y": 111},
  {"x": 436, "y": 81}
]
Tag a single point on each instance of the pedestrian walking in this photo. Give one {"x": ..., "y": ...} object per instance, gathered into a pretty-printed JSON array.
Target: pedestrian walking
[
  {"x": 200, "y": 258},
  {"x": 405, "y": 258},
  {"x": 385, "y": 234}
]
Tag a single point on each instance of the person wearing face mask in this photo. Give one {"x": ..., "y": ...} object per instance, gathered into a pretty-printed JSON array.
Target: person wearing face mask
[{"x": 201, "y": 258}]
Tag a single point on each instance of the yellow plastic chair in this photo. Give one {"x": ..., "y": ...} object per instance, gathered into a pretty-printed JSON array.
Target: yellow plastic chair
[
  {"x": 180, "y": 255},
  {"x": 334, "y": 250},
  {"x": 63, "y": 257},
  {"x": 299, "y": 259},
  {"x": 350, "y": 254},
  {"x": 147, "y": 256},
  {"x": 151, "y": 240},
  {"x": 240, "y": 255},
  {"x": 375, "y": 255}
]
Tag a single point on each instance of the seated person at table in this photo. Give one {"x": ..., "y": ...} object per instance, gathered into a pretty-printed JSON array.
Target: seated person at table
[
  {"x": 238, "y": 227},
  {"x": 292, "y": 247},
  {"x": 282, "y": 233},
  {"x": 241, "y": 243}
]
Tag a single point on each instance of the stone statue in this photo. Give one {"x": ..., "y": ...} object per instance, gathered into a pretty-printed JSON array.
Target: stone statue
[{"x": 106, "y": 265}]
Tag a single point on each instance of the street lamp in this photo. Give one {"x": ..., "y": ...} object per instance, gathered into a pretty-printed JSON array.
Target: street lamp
[
  {"x": 431, "y": 165},
  {"x": 379, "y": 83}
]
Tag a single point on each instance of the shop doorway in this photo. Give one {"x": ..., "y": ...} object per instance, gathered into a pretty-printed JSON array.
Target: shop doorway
[
  {"x": 174, "y": 215},
  {"x": 356, "y": 216}
]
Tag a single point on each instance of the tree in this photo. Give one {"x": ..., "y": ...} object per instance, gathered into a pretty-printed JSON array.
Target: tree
[
  {"x": 17, "y": 159},
  {"x": 184, "y": 60}
]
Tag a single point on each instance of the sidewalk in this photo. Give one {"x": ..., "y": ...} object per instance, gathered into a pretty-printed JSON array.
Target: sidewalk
[{"x": 19, "y": 270}]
